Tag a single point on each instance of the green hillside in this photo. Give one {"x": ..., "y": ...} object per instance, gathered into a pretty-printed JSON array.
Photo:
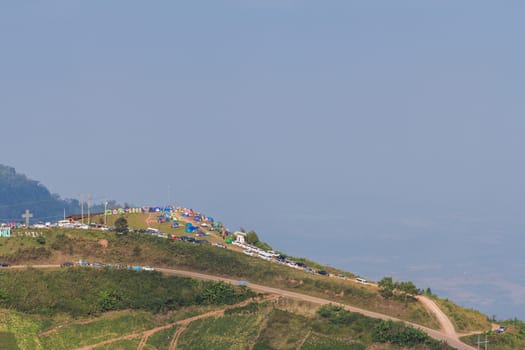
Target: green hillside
[
  {"x": 141, "y": 249},
  {"x": 125, "y": 309},
  {"x": 194, "y": 320}
]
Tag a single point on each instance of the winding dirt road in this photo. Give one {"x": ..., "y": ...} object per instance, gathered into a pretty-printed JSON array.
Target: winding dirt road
[
  {"x": 446, "y": 333},
  {"x": 446, "y": 326}
]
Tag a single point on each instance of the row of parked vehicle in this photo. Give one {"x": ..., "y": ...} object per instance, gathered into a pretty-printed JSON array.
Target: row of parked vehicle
[
  {"x": 284, "y": 260},
  {"x": 281, "y": 259},
  {"x": 190, "y": 239},
  {"x": 112, "y": 266}
]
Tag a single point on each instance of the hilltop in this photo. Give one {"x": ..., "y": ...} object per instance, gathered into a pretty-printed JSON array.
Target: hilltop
[
  {"x": 273, "y": 296},
  {"x": 54, "y": 246}
]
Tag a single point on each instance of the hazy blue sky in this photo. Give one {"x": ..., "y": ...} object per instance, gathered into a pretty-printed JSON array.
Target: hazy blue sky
[{"x": 382, "y": 137}]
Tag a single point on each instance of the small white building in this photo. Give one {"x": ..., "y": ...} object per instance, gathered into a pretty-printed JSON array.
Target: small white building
[{"x": 240, "y": 236}]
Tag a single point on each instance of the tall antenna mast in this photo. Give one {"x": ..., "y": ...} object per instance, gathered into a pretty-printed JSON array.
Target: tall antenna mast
[
  {"x": 82, "y": 207},
  {"x": 89, "y": 213}
]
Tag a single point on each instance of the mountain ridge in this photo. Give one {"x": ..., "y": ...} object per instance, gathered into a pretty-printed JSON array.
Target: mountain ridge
[{"x": 19, "y": 193}]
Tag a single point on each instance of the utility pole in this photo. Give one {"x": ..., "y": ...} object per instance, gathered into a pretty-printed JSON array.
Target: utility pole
[
  {"x": 106, "y": 213},
  {"x": 89, "y": 213},
  {"x": 82, "y": 207}
]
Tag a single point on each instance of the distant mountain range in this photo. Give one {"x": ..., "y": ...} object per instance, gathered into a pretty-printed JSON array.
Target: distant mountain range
[{"x": 18, "y": 193}]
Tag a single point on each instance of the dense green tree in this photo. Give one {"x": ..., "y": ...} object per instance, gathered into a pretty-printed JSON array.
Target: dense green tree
[
  {"x": 253, "y": 239},
  {"x": 121, "y": 225},
  {"x": 386, "y": 287},
  {"x": 109, "y": 300},
  {"x": 402, "y": 290},
  {"x": 407, "y": 288}
]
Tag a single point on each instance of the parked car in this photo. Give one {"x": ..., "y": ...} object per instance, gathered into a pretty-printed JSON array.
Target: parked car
[
  {"x": 220, "y": 245},
  {"x": 66, "y": 264},
  {"x": 501, "y": 329},
  {"x": 322, "y": 272},
  {"x": 148, "y": 268},
  {"x": 4, "y": 264},
  {"x": 97, "y": 264}
]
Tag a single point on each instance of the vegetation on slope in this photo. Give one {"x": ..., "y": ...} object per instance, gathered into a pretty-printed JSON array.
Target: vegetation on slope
[
  {"x": 512, "y": 338},
  {"x": 257, "y": 325},
  {"x": 82, "y": 292},
  {"x": 464, "y": 319},
  {"x": 62, "y": 245}
]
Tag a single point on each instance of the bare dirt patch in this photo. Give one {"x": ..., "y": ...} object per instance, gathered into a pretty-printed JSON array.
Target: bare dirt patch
[{"x": 103, "y": 242}]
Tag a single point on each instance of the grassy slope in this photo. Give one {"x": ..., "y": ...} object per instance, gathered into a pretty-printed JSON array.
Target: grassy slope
[
  {"x": 147, "y": 250},
  {"x": 24, "y": 328},
  {"x": 513, "y": 338},
  {"x": 267, "y": 325},
  {"x": 227, "y": 332},
  {"x": 162, "y": 339},
  {"x": 8, "y": 341},
  {"x": 109, "y": 327},
  {"x": 464, "y": 320},
  {"x": 139, "y": 249}
]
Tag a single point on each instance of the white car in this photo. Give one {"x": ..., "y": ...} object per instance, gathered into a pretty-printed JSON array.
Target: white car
[{"x": 148, "y": 268}]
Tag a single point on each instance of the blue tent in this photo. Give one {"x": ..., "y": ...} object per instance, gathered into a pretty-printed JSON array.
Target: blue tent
[{"x": 190, "y": 228}]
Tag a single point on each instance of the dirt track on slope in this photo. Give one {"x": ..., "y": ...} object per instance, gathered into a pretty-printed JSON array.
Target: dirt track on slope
[
  {"x": 447, "y": 332},
  {"x": 183, "y": 323},
  {"x": 446, "y": 325}
]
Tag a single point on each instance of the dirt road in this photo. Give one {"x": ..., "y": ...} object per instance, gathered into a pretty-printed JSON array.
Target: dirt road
[
  {"x": 446, "y": 326},
  {"x": 447, "y": 332}
]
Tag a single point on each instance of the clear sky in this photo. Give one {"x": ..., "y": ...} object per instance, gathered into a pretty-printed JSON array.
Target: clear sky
[{"x": 382, "y": 137}]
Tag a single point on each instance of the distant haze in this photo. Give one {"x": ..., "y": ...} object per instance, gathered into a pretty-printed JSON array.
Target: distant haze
[{"x": 385, "y": 138}]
